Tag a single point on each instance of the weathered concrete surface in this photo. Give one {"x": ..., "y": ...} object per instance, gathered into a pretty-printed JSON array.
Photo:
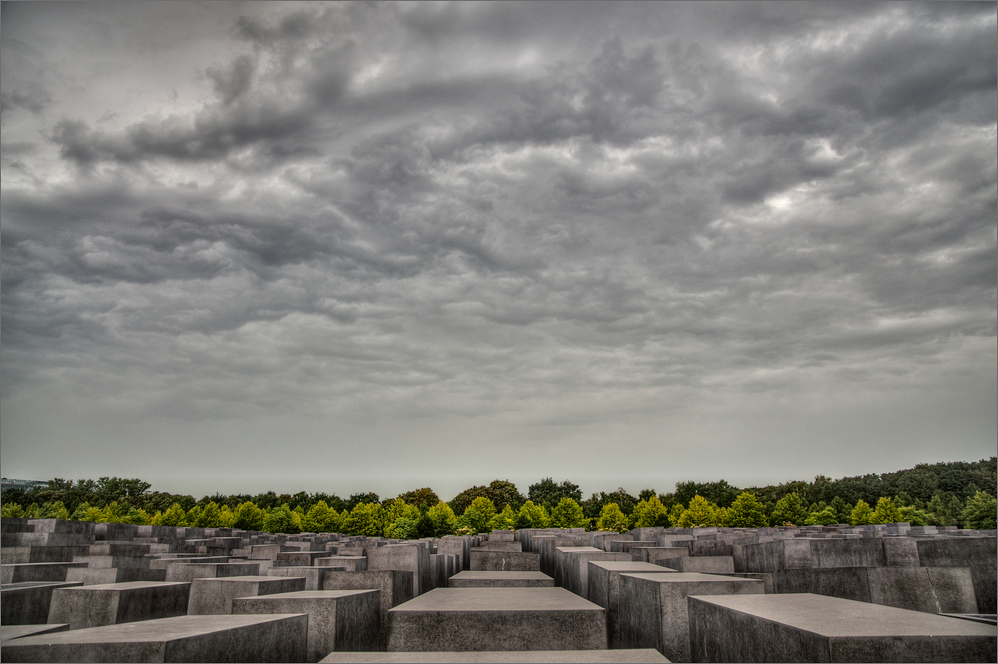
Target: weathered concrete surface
[
  {"x": 190, "y": 571},
  {"x": 575, "y": 567},
  {"x": 646, "y": 656},
  {"x": 604, "y": 582},
  {"x": 651, "y": 609},
  {"x": 337, "y": 619},
  {"x": 94, "y": 606},
  {"x": 350, "y": 563},
  {"x": 499, "y": 546},
  {"x": 394, "y": 587},
  {"x": 497, "y": 619},
  {"x": 815, "y": 628},
  {"x": 705, "y": 564},
  {"x": 479, "y": 579},
  {"x": 41, "y": 554},
  {"x": 413, "y": 558},
  {"x": 312, "y": 575},
  {"x": 8, "y": 632},
  {"x": 458, "y": 546},
  {"x": 976, "y": 553},
  {"x": 561, "y": 557},
  {"x": 28, "y": 603},
  {"x": 23, "y": 572},
  {"x": 271, "y": 638},
  {"x": 214, "y": 596},
  {"x": 927, "y": 589},
  {"x": 504, "y": 561},
  {"x": 105, "y": 575}
]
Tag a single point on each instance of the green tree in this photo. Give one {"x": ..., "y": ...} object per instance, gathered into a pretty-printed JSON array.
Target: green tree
[
  {"x": 471, "y": 522},
  {"x": 403, "y": 528},
  {"x": 247, "y": 516},
  {"x": 789, "y": 509},
  {"x": 720, "y": 493},
  {"x": 422, "y": 499},
  {"x": 210, "y": 516},
  {"x": 913, "y": 515},
  {"x": 443, "y": 518},
  {"x": 886, "y": 511},
  {"x": 676, "y": 513},
  {"x": 699, "y": 514},
  {"x": 568, "y": 514},
  {"x": 612, "y": 518},
  {"x": 319, "y": 518},
  {"x": 822, "y": 517},
  {"x": 54, "y": 510},
  {"x": 499, "y": 492},
  {"x": 862, "y": 514},
  {"x": 281, "y": 520},
  {"x": 364, "y": 519},
  {"x": 174, "y": 516},
  {"x": 980, "y": 512},
  {"x": 746, "y": 512},
  {"x": 532, "y": 516},
  {"x": 485, "y": 507},
  {"x": 505, "y": 520},
  {"x": 11, "y": 510},
  {"x": 648, "y": 513},
  {"x": 549, "y": 493},
  {"x": 425, "y": 526}
]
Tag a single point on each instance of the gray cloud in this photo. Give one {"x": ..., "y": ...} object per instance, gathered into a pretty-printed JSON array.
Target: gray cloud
[{"x": 537, "y": 226}]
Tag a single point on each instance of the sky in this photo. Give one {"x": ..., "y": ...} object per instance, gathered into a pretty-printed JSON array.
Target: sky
[{"x": 376, "y": 247}]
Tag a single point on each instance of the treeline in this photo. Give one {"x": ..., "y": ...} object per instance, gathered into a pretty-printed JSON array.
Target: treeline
[{"x": 944, "y": 494}]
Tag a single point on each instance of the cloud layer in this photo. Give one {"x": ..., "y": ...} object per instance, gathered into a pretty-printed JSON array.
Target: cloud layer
[{"x": 414, "y": 240}]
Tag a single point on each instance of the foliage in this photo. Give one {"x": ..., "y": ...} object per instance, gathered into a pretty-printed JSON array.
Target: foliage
[
  {"x": 470, "y": 523},
  {"x": 505, "y": 520},
  {"x": 425, "y": 526},
  {"x": 700, "y": 513},
  {"x": 568, "y": 514},
  {"x": 358, "y": 498},
  {"x": 981, "y": 512},
  {"x": 443, "y": 518},
  {"x": 485, "y": 507},
  {"x": 676, "y": 513},
  {"x": 823, "y": 517},
  {"x": 321, "y": 519},
  {"x": 720, "y": 493},
  {"x": 862, "y": 514},
  {"x": 746, "y": 512},
  {"x": 649, "y": 512},
  {"x": 549, "y": 494},
  {"x": 499, "y": 492},
  {"x": 913, "y": 515},
  {"x": 789, "y": 509},
  {"x": 422, "y": 499},
  {"x": 402, "y": 528},
  {"x": 364, "y": 519},
  {"x": 210, "y": 516},
  {"x": 532, "y": 516},
  {"x": 247, "y": 516},
  {"x": 12, "y": 510},
  {"x": 612, "y": 518},
  {"x": 886, "y": 512},
  {"x": 281, "y": 520}
]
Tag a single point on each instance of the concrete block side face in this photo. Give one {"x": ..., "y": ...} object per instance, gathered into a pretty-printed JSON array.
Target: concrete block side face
[
  {"x": 913, "y": 649},
  {"x": 635, "y": 620},
  {"x": 83, "y": 652},
  {"x": 976, "y": 553},
  {"x": 281, "y": 639},
  {"x": 82, "y": 607},
  {"x": 154, "y": 602},
  {"x": 718, "y": 634},
  {"x": 29, "y": 605},
  {"x": 358, "y": 623},
  {"x": 846, "y": 582},
  {"x": 953, "y": 588},
  {"x": 496, "y": 630}
]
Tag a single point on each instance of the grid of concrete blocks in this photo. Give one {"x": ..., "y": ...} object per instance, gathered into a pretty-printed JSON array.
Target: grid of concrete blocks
[{"x": 80, "y": 591}]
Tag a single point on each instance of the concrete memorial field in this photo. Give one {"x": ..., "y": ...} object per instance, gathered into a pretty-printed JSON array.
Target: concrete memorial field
[{"x": 80, "y": 591}]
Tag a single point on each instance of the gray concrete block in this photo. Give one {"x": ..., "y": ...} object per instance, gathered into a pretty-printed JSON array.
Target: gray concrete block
[
  {"x": 458, "y": 546},
  {"x": 41, "y": 554},
  {"x": 476, "y": 619},
  {"x": 271, "y": 638},
  {"x": 499, "y": 545},
  {"x": 504, "y": 561},
  {"x": 976, "y": 553},
  {"x": 703, "y": 564},
  {"x": 575, "y": 567},
  {"x": 394, "y": 586},
  {"x": 312, "y": 575},
  {"x": 652, "y": 554},
  {"x": 191, "y": 571},
  {"x": 105, "y": 575},
  {"x": 28, "y": 603},
  {"x": 651, "y": 609},
  {"x": 413, "y": 558},
  {"x": 8, "y": 632},
  {"x": 815, "y": 628},
  {"x": 93, "y": 606},
  {"x": 214, "y": 596},
  {"x": 648, "y": 656},
  {"x": 350, "y": 563},
  {"x": 604, "y": 585},
  {"x": 337, "y": 619},
  {"x": 24, "y": 572},
  {"x": 164, "y": 563},
  {"x": 561, "y": 554},
  {"x": 928, "y": 589},
  {"x": 477, "y": 579}
]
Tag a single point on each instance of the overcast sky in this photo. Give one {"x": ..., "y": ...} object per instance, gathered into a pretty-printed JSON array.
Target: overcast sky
[{"x": 341, "y": 248}]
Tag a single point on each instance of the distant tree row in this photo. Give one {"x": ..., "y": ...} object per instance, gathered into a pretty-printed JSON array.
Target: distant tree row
[{"x": 944, "y": 494}]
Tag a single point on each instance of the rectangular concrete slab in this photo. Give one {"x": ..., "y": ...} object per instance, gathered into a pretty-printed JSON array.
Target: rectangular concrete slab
[
  {"x": 646, "y": 656},
  {"x": 191, "y": 571},
  {"x": 815, "y": 628},
  {"x": 22, "y": 572},
  {"x": 479, "y": 579},
  {"x": 480, "y": 619},
  {"x": 112, "y": 604},
  {"x": 214, "y": 596},
  {"x": 8, "y": 632},
  {"x": 651, "y": 608},
  {"x": 337, "y": 619},
  {"x": 504, "y": 561},
  {"x": 604, "y": 582},
  {"x": 270, "y": 638},
  {"x": 28, "y": 603}
]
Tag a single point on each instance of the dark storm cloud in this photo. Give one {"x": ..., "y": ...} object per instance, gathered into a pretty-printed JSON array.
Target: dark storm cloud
[{"x": 551, "y": 213}]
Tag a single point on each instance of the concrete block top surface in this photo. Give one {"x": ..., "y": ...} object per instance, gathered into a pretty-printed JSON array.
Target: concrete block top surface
[
  {"x": 639, "y": 656},
  {"x": 489, "y": 576},
  {"x": 128, "y": 585},
  {"x": 836, "y": 617},
  {"x": 497, "y": 599},
  {"x": 305, "y": 594},
  {"x": 692, "y": 577},
  {"x": 631, "y": 566},
  {"x": 8, "y": 632},
  {"x": 153, "y": 631}
]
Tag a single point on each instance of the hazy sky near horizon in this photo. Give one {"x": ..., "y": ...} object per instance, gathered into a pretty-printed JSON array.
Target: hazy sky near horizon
[{"x": 349, "y": 247}]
